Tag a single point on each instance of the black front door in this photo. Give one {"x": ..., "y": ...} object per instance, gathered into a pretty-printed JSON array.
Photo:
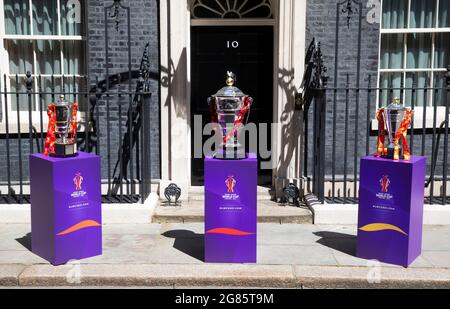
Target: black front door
[{"x": 248, "y": 52}]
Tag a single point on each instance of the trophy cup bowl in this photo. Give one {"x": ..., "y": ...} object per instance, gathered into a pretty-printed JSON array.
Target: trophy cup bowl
[
  {"x": 62, "y": 122},
  {"x": 393, "y": 115},
  {"x": 230, "y": 108},
  {"x": 394, "y": 122},
  {"x": 65, "y": 145}
]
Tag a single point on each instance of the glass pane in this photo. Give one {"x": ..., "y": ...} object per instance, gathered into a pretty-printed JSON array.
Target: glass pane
[
  {"x": 390, "y": 84},
  {"x": 392, "y": 46},
  {"x": 444, "y": 13},
  {"x": 20, "y": 56},
  {"x": 72, "y": 88},
  {"x": 394, "y": 14},
  {"x": 418, "y": 81},
  {"x": 419, "y": 51},
  {"x": 73, "y": 57},
  {"x": 423, "y": 14},
  {"x": 45, "y": 17},
  {"x": 72, "y": 17},
  {"x": 48, "y": 57},
  {"x": 442, "y": 55},
  {"x": 17, "y": 17},
  {"x": 19, "y": 97},
  {"x": 51, "y": 90}
]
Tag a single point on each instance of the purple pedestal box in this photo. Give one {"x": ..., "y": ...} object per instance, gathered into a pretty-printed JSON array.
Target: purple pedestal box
[
  {"x": 66, "y": 207},
  {"x": 230, "y": 210},
  {"x": 390, "y": 218}
]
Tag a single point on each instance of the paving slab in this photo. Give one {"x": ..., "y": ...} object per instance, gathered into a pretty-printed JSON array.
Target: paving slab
[
  {"x": 295, "y": 255},
  {"x": 20, "y": 257},
  {"x": 136, "y": 229},
  {"x": 439, "y": 259}
]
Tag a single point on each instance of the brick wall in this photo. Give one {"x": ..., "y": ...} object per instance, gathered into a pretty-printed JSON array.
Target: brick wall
[{"x": 144, "y": 29}]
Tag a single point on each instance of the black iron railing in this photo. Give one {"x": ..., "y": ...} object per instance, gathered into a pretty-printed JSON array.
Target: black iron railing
[
  {"x": 114, "y": 110},
  {"x": 340, "y": 128},
  {"x": 105, "y": 119},
  {"x": 339, "y": 115}
]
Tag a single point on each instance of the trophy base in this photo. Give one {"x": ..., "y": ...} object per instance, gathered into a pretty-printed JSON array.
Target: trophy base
[
  {"x": 390, "y": 154},
  {"x": 65, "y": 150},
  {"x": 231, "y": 154}
]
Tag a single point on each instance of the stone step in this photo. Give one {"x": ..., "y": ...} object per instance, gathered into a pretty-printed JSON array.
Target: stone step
[{"x": 268, "y": 212}]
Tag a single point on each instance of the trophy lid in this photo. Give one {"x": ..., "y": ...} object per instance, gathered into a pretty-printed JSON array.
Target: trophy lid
[
  {"x": 62, "y": 100},
  {"x": 230, "y": 90},
  {"x": 396, "y": 105}
]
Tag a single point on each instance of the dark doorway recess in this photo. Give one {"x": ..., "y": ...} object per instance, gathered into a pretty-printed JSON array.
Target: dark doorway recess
[{"x": 248, "y": 52}]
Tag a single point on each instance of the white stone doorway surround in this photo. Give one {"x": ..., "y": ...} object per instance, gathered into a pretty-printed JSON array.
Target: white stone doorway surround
[{"x": 175, "y": 23}]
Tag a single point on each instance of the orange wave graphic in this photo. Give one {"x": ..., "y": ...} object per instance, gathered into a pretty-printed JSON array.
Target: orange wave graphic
[
  {"x": 79, "y": 226},
  {"x": 378, "y": 227},
  {"x": 231, "y": 232}
]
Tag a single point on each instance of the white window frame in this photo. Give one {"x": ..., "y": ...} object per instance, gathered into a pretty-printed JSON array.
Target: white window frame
[
  {"x": 418, "y": 115},
  {"x": 4, "y": 69}
]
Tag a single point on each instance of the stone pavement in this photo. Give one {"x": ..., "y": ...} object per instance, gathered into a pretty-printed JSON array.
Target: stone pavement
[{"x": 171, "y": 255}]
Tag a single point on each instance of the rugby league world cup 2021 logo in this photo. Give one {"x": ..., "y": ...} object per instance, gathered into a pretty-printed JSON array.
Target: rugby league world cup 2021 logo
[
  {"x": 385, "y": 182},
  {"x": 231, "y": 184},
  {"x": 78, "y": 181}
]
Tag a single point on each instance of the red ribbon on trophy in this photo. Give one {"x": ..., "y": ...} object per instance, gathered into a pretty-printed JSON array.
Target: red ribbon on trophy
[
  {"x": 381, "y": 149},
  {"x": 401, "y": 134},
  {"x": 74, "y": 120},
  {"x": 240, "y": 119},
  {"x": 50, "y": 140}
]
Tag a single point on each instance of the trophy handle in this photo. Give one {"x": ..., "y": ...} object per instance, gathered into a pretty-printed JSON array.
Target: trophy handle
[{"x": 74, "y": 120}]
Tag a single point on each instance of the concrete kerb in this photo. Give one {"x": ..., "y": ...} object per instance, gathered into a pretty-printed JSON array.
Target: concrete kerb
[{"x": 258, "y": 276}]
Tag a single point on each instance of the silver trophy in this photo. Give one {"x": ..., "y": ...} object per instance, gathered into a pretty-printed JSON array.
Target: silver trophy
[
  {"x": 230, "y": 109},
  {"x": 394, "y": 122},
  {"x": 65, "y": 145}
]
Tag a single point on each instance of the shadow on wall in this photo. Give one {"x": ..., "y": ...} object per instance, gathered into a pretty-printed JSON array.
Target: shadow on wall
[
  {"x": 291, "y": 128},
  {"x": 175, "y": 79},
  {"x": 188, "y": 242}
]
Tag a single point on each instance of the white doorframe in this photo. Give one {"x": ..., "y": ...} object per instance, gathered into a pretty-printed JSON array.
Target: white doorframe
[{"x": 289, "y": 50}]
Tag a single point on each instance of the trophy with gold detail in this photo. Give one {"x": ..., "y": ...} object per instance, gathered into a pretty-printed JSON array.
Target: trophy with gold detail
[
  {"x": 230, "y": 108},
  {"x": 393, "y": 123}
]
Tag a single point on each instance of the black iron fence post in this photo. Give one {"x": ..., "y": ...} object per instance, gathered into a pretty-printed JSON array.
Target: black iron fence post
[
  {"x": 146, "y": 180},
  {"x": 319, "y": 84},
  {"x": 319, "y": 144},
  {"x": 447, "y": 111},
  {"x": 29, "y": 86}
]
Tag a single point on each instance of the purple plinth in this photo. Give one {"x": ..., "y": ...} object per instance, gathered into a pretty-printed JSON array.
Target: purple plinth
[
  {"x": 66, "y": 207},
  {"x": 230, "y": 210},
  {"x": 390, "y": 218}
]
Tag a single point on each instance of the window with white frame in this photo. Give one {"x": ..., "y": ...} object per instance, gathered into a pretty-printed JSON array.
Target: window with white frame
[
  {"x": 414, "y": 49},
  {"x": 47, "y": 39}
]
